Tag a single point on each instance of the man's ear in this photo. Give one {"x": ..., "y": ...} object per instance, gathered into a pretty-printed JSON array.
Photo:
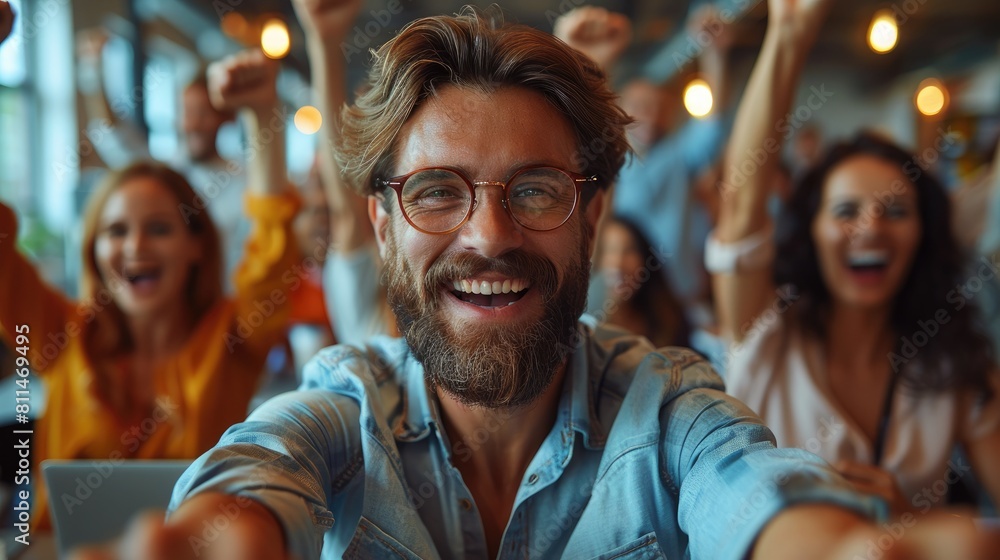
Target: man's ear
[
  {"x": 380, "y": 222},
  {"x": 593, "y": 215}
]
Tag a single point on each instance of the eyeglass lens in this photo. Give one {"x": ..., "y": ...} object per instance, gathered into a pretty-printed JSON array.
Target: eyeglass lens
[{"x": 438, "y": 200}]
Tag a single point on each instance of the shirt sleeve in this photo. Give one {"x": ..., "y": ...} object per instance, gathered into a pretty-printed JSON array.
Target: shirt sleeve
[
  {"x": 353, "y": 296},
  {"x": 293, "y": 455},
  {"x": 725, "y": 460},
  {"x": 27, "y": 301},
  {"x": 267, "y": 273}
]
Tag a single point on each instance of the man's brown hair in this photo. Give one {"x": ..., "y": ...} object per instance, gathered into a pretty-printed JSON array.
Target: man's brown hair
[{"x": 477, "y": 50}]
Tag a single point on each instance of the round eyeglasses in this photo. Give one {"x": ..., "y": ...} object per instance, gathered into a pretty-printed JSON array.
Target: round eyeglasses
[{"x": 440, "y": 200}]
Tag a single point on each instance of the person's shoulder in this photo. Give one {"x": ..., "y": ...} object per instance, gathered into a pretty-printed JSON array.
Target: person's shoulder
[
  {"x": 629, "y": 366},
  {"x": 379, "y": 360}
]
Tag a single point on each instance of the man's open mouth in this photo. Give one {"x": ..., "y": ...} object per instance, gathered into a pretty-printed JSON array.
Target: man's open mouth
[{"x": 485, "y": 293}]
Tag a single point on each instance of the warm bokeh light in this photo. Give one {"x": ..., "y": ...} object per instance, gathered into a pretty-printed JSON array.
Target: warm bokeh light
[
  {"x": 274, "y": 38},
  {"x": 931, "y": 97},
  {"x": 698, "y": 98},
  {"x": 883, "y": 33},
  {"x": 308, "y": 119},
  {"x": 234, "y": 25}
]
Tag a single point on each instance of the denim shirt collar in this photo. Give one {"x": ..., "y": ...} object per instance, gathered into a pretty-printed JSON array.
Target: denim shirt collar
[{"x": 420, "y": 411}]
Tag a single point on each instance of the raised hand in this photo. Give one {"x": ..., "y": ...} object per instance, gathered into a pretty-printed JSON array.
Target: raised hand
[
  {"x": 868, "y": 479},
  {"x": 6, "y": 20},
  {"x": 329, "y": 20},
  {"x": 705, "y": 22},
  {"x": 601, "y": 35},
  {"x": 803, "y": 17},
  {"x": 244, "y": 81},
  {"x": 251, "y": 533}
]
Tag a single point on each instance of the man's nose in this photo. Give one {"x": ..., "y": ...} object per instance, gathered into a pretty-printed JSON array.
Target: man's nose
[{"x": 491, "y": 231}]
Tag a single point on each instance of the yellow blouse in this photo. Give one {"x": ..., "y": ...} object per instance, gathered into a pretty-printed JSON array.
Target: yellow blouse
[{"x": 201, "y": 391}]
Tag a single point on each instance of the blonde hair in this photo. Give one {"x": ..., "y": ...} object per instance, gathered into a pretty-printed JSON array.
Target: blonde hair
[{"x": 479, "y": 51}]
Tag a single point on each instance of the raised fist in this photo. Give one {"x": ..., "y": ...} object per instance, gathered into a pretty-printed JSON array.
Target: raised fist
[
  {"x": 245, "y": 80},
  {"x": 601, "y": 35},
  {"x": 327, "y": 19}
]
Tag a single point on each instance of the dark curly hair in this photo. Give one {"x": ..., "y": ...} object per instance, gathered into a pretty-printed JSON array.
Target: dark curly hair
[{"x": 960, "y": 355}]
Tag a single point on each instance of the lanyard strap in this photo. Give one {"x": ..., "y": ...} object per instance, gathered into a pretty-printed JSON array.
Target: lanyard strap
[{"x": 883, "y": 422}]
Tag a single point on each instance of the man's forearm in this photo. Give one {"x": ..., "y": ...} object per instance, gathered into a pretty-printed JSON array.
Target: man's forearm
[{"x": 809, "y": 532}]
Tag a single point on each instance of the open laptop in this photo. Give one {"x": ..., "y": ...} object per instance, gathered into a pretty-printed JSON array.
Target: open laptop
[{"x": 93, "y": 501}]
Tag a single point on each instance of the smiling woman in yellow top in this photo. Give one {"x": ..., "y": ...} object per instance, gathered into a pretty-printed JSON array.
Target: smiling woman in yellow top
[{"x": 153, "y": 361}]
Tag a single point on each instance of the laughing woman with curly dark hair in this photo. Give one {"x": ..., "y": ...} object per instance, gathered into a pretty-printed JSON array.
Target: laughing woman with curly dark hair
[{"x": 870, "y": 356}]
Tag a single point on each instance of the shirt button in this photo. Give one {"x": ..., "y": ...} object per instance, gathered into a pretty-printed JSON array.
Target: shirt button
[
  {"x": 533, "y": 478},
  {"x": 466, "y": 504}
]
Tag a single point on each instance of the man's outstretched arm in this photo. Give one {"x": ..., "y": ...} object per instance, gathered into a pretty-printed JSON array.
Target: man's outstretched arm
[{"x": 267, "y": 490}]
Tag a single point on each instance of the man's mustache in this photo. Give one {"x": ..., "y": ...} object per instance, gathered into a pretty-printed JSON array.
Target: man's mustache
[{"x": 515, "y": 264}]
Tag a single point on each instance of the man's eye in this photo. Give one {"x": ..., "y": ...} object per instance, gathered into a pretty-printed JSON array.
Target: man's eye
[
  {"x": 116, "y": 230},
  {"x": 533, "y": 190},
  {"x": 438, "y": 192},
  {"x": 530, "y": 191}
]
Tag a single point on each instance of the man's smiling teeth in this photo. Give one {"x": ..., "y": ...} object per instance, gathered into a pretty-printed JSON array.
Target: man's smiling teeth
[{"x": 487, "y": 288}]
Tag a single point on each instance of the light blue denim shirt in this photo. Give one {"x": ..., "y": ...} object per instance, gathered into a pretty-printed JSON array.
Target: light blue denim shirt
[{"x": 648, "y": 458}]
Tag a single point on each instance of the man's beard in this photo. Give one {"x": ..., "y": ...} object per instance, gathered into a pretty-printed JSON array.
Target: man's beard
[{"x": 483, "y": 365}]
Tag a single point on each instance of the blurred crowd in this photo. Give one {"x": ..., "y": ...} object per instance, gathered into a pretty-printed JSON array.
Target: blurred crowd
[{"x": 844, "y": 290}]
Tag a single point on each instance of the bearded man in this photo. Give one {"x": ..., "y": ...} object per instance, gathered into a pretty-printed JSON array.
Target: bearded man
[{"x": 500, "y": 425}]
